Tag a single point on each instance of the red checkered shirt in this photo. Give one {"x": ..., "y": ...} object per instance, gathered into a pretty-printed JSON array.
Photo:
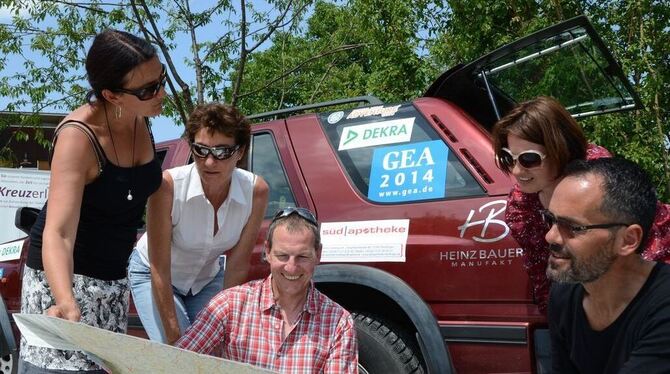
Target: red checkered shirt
[{"x": 247, "y": 323}]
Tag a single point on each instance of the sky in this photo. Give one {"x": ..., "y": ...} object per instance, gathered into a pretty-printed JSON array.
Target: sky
[{"x": 164, "y": 128}]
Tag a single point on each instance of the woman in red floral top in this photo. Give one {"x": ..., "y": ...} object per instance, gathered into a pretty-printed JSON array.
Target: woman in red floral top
[{"x": 534, "y": 142}]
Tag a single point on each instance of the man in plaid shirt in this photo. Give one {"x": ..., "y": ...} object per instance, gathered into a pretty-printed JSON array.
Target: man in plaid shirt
[{"x": 282, "y": 323}]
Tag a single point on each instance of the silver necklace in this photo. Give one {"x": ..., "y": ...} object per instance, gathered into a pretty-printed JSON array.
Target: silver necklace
[{"x": 130, "y": 192}]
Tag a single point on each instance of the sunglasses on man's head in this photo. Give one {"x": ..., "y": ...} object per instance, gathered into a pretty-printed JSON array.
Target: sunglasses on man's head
[
  {"x": 221, "y": 152},
  {"x": 148, "y": 92},
  {"x": 528, "y": 159},
  {"x": 302, "y": 212},
  {"x": 570, "y": 229}
]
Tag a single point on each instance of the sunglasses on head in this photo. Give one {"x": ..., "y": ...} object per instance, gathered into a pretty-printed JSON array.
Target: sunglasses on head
[
  {"x": 528, "y": 159},
  {"x": 570, "y": 229},
  {"x": 148, "y": 92},
  {"x": 302, "y": 212},
  {"x": 221, "y": 152}
]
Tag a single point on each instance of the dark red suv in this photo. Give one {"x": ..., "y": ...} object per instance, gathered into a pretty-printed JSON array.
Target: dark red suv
[{"x": 412, "y": 204}]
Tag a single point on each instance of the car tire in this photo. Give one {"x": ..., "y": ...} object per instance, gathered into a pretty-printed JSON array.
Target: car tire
[
  {"x": 8, "y": 362},
  {"x": 380, "y": 348}
]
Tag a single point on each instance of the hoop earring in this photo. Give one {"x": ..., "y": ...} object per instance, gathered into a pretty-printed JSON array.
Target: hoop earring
[{"x": 117, "y": 112}]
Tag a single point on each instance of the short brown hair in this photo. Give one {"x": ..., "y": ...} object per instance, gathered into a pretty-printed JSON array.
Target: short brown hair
[
  {"x": 544, "y": 121},
  {"x": 294, "y": 223},
  {"x": 223, "y": 118}
]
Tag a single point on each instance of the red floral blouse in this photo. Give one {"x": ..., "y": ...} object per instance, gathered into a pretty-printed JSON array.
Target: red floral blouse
[{"x": 527, "y": 227}]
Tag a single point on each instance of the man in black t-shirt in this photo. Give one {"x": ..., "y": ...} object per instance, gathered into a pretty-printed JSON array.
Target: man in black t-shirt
[{"x": 609, "y": 309}]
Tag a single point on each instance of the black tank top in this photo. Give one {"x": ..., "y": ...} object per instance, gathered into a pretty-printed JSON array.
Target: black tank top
[{"x": 108, "y": 221}]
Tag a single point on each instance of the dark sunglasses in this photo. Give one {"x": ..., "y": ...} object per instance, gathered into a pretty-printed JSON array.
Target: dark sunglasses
[
  {"x": 222, "y": 152},
  {"x": 528, "y": 159},
  {"x": 569, "y": 229},
  {"x": 148, "y": 92},
  {"x": 302, "y": 212}
]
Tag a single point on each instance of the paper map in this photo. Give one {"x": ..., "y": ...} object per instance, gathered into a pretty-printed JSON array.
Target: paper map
[{"x": 121, "y": 353}]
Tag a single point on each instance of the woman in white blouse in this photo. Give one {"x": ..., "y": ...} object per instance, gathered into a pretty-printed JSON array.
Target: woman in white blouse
[{"x": 200, "y": 212}]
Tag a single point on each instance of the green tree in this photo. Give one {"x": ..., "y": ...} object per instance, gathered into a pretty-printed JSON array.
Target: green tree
[
  {"x": 364, "y": 48},
  {"x": 639, "y": 34}
]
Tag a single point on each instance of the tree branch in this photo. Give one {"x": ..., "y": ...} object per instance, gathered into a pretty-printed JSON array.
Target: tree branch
[
  {"x": 243, "y": 53},
  {"x": 196, "y": 54},
  {"x": 272, "y": 28},
  {"x": 183, "y": 102},
  {"x": 88, "y": 7},
  {"x": 216, "y": 45},
  {"x": 323, "y": 78},
  {"x": 303, "y": 63}
]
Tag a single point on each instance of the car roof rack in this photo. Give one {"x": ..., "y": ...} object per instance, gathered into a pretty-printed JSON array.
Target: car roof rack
[{"x": 369, "y": 100}]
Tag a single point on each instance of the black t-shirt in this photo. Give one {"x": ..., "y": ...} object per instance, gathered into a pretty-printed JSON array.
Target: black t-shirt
[{"x": 636, "y": 342}]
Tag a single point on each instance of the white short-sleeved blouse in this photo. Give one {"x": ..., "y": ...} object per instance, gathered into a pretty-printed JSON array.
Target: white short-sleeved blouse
[{"x": 195, "y": 251}]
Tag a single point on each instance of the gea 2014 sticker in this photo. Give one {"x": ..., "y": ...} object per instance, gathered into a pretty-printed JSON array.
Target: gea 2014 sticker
[{"x": 409, "y": 172}]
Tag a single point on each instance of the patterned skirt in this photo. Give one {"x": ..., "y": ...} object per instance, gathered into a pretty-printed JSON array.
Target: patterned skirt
[{"x": 103, "y": 304}]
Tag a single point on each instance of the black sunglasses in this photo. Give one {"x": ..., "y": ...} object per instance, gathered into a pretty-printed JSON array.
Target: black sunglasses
[
  {"x": 148, "y": 92},
  {"x": 222, "y": 152},
  {"x": 305, "y": 214},
  {"x": 569, "y": 228},
  {"x": 528, "y": 159}
]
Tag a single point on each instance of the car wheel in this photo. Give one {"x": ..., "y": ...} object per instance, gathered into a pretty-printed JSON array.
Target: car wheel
[
  {"x": 381, "y": 350},
  {"x": 8, "y": 364}
]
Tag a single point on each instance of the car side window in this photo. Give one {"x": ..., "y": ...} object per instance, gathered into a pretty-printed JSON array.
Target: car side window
[
  {"x": 393, "y": 155},
  {"x": 160, "y": 154},
  {"x": 265, "y": 162}
]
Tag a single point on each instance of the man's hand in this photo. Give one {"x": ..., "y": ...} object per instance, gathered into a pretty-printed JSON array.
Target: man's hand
[
  {"x": 172, "y": 335},
  {"x": 68, "y": 311}
]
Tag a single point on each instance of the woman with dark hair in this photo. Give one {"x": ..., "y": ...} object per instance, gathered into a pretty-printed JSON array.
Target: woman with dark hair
[
  {"x": 201, "y": 212},
  {"x": 103, "y": 169},
  {"x": 534, "y": 142}
]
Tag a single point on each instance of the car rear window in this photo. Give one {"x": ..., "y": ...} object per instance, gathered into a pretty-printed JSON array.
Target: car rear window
[{"x": 392, "y": 155}]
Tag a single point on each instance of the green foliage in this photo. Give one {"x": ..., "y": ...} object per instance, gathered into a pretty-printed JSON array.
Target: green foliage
[
  {"x": 639, "y": 34},
  {"x": 352, "y": 49}
]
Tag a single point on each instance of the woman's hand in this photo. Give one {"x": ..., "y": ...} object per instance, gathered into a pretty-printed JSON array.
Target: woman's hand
[
  {"x": 69, "y": 311},
  {"x": 238, "y": 258},
  {"x": 159, "y": 239}
]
